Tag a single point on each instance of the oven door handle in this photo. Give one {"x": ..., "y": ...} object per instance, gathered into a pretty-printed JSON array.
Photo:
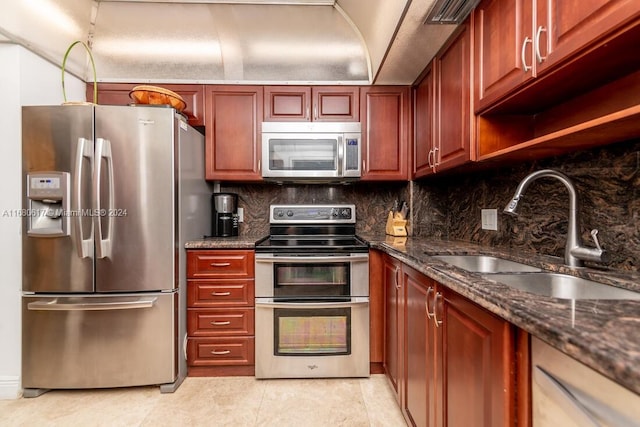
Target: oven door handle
[
  {"x": 270, "y": 303},
  {"x": 272, "y": 259}
]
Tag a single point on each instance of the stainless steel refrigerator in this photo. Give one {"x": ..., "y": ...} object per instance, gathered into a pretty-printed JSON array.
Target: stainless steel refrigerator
[{"x": 111, "y": 194}]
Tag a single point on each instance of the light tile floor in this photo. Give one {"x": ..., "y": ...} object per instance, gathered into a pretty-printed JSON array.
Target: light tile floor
[{"x": 221, "y": 401}]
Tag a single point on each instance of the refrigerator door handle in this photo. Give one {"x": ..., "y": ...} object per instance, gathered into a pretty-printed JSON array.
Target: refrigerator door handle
[
  {"x": 54, "y": 305},
  {"x": 84, "y": 246},
  {"x": 103, "y": 244}
]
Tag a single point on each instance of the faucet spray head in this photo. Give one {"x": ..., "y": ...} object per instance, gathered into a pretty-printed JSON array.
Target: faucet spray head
[{"x": 510, "y": 209}]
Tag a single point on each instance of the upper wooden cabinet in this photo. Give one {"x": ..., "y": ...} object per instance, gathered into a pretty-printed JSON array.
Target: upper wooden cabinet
[
  {"x": 118, "y": 94},
  {"x": 386, "y": 127},
  {"x": 232, "y": 150},
  {"x": 317, "y": 103},
  {"x": 443, "y": 116},
  {"x": 518, "y": 40}
]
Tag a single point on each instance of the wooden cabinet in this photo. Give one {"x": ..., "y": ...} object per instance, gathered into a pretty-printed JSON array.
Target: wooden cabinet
[
  {"x": 317, "y": 103},
  {"x": 424, "y": 110},
  {"x": 443, "y": 116},
  {"x": 554, "y": 76},
  {"x": 386, "y": 127},
  {"x": 220, "y": 312},
  {"x": 478, "y": 364},
  {"x": 233, "y": 126},
  {"x": 423, "y": 403},
  {"x": 519, "y": 40},
  {"x": 393, "y": 332},
  {"x": 444, "y": 353},
  {"x": 118, "y": 94}
]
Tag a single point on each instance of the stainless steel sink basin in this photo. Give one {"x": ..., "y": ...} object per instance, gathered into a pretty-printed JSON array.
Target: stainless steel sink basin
[
  {"x": 485, "y": 264},
  {"x": 562, "y": 286}
]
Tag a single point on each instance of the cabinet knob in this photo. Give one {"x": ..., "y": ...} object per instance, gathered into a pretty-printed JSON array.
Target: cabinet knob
[
  {"x": 220, "y": 352},
  {"x": 539, "y": 56}
]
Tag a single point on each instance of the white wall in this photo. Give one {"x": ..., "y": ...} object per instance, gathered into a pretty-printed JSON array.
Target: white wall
[{"x": 25, "y": 79}]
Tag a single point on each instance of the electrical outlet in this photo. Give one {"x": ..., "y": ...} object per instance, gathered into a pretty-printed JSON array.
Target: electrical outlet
[
  {"x": 240, "y": 214},
  {"x": 489, "y": 218}
]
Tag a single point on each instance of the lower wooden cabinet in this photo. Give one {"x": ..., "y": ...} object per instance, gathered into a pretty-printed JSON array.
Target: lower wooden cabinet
[
  {"x": 220, "y": 312},
  {"x": 457, "y": 360}
]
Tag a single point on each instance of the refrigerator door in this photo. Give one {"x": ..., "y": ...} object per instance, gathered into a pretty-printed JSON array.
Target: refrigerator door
[
  {"x": 57, "y": 141},
  {"x": 98, "y": 341},
  {"x": 134, "y": 191}
]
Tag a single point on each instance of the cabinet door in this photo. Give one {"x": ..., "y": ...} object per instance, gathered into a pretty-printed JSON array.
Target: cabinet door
[
  {"x": 287, "y": 103},
  {"x": 424, "y": 119},
  {"x": 453, "y": 82},
  {"x": 563, "y": 27},
  {"x": 336, "y": 104},
  {"x": 422, "y": 398},
  {"x": 503, "y": 39},
  {"x": 478, "y": 360},
  {"x": 233, "y": 118},
  {"x": 118, "y": 94},
  {"x": 385, "y": 136},
  {"x": 393, "y": 325}
]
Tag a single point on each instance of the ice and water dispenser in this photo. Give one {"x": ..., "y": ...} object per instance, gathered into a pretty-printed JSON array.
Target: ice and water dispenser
[{"x": 48, "y": 196}]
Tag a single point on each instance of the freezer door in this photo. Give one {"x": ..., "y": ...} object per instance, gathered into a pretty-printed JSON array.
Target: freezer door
[
  {"x": 98, "y": 341},
  {"x": 58, "y": 140},
  {"x": 134, "y": 191}
]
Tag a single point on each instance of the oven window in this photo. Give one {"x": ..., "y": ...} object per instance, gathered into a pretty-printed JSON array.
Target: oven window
[
  {"x": 303, "y": 154},
  {"x": 312, "y": 332},
  {"x": 311, "y": 279}
]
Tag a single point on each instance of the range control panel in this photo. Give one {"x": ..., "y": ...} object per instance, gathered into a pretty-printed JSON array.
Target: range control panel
[{"x": 313, "y": 214}]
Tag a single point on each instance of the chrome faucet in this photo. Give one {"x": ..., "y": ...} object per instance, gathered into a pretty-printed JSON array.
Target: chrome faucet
[{"x": 574, "y": 252}]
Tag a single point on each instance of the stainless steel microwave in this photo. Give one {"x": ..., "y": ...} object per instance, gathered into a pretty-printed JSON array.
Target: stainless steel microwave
[{"x": 311, "y": 151}]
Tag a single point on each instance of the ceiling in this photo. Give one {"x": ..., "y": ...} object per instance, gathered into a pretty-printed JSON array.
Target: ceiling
[{"x": 231, "y": 41}]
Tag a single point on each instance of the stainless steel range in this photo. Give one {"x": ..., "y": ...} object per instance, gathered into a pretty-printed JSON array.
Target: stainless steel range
[{"x": 312, "y": 294}]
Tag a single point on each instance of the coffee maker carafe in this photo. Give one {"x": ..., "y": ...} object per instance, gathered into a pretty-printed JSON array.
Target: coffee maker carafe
[{"x": 224, "y": 214}]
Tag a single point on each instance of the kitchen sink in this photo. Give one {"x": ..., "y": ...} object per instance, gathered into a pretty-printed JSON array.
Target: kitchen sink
[
  {"x": 562, "y": 286},
  {"x": 485, "y": 264}
]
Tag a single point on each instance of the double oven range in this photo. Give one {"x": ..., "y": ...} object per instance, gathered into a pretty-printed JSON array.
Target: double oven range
[{"x": 312, "y": 294}]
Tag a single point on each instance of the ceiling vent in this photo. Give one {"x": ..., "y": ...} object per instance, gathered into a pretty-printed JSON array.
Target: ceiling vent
[{"x": 450, "y": 11}]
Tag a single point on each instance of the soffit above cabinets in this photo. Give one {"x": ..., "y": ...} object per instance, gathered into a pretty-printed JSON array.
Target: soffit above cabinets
[{"x": 232, "y": 41}]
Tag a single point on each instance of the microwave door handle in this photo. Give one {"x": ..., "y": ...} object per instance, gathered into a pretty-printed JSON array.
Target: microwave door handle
[{"x": 340, "y": 156}]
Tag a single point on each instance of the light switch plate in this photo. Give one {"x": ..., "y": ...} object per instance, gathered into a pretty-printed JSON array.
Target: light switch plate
[
  {"x": 240, "y": 214},
  {"x": 489, "y": 219}
]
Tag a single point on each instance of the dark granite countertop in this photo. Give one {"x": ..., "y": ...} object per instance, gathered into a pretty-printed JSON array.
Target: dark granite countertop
[{"x": 603, "y": 334}]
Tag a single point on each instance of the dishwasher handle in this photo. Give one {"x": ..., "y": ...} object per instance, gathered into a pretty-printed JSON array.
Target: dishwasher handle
[{"x": 564, "y": 398}]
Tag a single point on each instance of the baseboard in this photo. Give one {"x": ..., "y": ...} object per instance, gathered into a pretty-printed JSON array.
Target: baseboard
[{"x": 10, "y": 388}]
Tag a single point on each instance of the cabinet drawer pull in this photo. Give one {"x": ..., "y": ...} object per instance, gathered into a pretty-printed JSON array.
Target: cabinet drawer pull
[
  {"x": 220, "y": 352},
  {"x": 435, "y": 309},
  {"x": 430, "y": 314},
  {"x": 220, "y": 323},
  {"x": 220, "y": 264},
  {"x": 537, "y": 44},
  {"x": 220, "y": 294},
  {"x": 525, "y": 67}
]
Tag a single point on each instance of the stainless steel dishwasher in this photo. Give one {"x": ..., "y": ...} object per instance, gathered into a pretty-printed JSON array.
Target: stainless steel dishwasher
[{"x": 567, "y": 393}]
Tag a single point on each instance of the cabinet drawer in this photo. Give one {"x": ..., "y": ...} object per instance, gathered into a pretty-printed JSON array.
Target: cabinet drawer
[
  {"x": 210, "y": 293},
  {"x": 220, "y": 322},
  {"x": 220, "y": 351},
  {"x": 220, "y": 264}
]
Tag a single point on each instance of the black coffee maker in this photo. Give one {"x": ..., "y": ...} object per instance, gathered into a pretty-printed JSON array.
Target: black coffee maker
[{"x": 224, "y": 214}]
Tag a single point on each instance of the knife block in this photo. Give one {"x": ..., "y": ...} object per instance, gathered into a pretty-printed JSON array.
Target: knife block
[{"x": 396, "y": 227}]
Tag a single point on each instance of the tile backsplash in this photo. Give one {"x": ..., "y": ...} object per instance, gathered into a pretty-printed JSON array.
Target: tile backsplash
[
  {"x": 448, "y": 205},
  {"x": 607, "y": 181}
]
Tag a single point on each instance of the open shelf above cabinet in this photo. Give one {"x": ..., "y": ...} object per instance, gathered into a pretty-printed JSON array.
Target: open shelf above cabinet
[{"x": 607, "y": 114}]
